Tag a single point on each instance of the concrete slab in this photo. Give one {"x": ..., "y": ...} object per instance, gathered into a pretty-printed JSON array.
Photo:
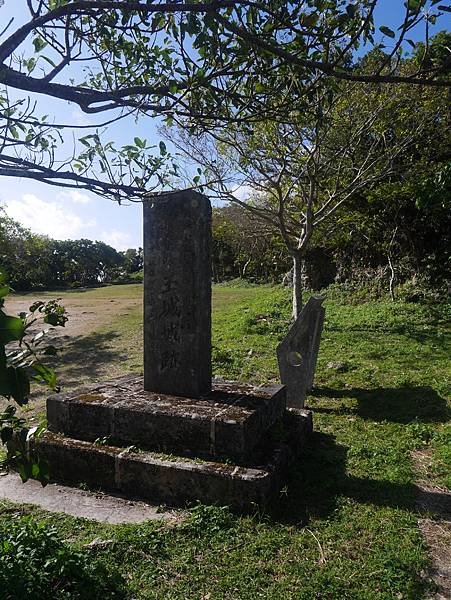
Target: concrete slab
[
  {"x": 230, "y": 421},
  {"x": 101, "y": 507}
]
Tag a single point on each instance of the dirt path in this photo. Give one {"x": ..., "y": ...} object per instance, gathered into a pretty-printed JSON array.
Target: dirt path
[
  {"x": 88, "y": 343},
  {"x": 87, "y": 312}
]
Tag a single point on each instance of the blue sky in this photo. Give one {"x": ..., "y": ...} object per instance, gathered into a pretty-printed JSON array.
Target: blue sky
[{"x": 64, "y": 214}]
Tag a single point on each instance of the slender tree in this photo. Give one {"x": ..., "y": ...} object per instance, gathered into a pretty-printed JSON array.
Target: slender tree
[{"x": 297, "y": 174}]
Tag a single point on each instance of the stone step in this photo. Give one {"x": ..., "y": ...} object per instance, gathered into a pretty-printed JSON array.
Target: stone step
[
  {"x": 165, "y": 479},
  {"x": 229, "y": 422}
]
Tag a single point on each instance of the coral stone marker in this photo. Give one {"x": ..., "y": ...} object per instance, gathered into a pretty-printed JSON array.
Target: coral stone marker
[{"x": 177, "y": 294}]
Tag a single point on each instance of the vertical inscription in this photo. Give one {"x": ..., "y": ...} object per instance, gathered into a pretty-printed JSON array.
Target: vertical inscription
[
  {"x": 177, "y": 294},
  {"x": 171, "y": 324}
]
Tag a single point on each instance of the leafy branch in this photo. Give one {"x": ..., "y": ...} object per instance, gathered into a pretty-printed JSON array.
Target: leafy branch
[
  {"x": 21, "y": 353},
  {"x": 213, "y": 63}
]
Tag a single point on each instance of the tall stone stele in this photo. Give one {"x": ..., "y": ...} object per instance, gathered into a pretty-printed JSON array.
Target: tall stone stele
[
  {"x": 218, "y": 434},
  {"x": 177, "y": 294}
]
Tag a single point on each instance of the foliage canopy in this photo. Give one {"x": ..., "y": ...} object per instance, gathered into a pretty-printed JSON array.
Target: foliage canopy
[{"x": 212, "y": 62}]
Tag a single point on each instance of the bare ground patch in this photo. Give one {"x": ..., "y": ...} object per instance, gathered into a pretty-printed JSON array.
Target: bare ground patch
[
  {"x": 87, "y": 344},
  {"x": 434, "y": 502}
]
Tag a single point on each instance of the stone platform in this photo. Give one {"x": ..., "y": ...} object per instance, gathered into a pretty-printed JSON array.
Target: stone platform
[
  {"x": 232, "y": 446},
  {"x": 228, "y": 422},
  {"x": 167, "y": 479}
]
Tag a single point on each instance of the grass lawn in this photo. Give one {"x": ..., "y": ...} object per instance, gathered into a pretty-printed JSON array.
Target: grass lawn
[{"x": 345, "y": 526}]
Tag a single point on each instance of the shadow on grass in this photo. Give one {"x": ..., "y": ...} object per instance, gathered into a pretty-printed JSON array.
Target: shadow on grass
[
  {"x": 320, "y": 479},
  {"x": 399, "y": 405}
]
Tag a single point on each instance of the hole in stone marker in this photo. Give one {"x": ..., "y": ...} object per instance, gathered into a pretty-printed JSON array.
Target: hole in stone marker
[{"x": 294, "y": 358}]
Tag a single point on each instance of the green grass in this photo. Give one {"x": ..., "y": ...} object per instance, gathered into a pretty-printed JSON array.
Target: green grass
[{"x": 345, "y": 526}]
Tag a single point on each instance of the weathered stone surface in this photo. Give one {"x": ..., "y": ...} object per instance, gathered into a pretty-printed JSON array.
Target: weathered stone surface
[
  {"x": 105, "y": 435},
  {"x": 167, "y": 479},
  {"x": 298, "y": 352},
  {"x": 69, "y": 460},
  {"x": 177, "y": 294},
  {"x": 229, "y": 421},
  {"x": 298, "y": 424}
]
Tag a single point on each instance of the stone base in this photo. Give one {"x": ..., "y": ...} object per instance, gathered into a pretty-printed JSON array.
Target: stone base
[
  {"x": 230, "y": 447},
  {"x": 228, "y": 422},
  {"x": 166, "y": 479},
  {"x": 298, "y": 427},
  {"x": 175, "y": 480}
]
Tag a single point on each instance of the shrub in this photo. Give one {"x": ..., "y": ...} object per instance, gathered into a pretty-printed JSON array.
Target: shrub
[{"x": 35, "y": 563}]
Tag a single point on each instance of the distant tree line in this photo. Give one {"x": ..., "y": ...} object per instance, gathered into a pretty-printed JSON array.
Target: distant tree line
[
  {"x": 395, "y": 231},
  {"x": 38, "y": 262},
  {"x": 399, "y": 228}
]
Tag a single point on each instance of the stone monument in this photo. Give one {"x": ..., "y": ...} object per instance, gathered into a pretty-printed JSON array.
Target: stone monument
[
  {"x": 298, "y": 352},
  {"x": 175, "y": 435},
  {"x": 177, "y": 295}
]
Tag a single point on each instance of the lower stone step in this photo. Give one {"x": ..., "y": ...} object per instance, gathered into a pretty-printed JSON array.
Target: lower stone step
[{"x": 165, "y": 479}]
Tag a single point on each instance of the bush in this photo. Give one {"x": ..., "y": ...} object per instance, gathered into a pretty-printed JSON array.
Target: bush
[{"x": 36, "y": 564}]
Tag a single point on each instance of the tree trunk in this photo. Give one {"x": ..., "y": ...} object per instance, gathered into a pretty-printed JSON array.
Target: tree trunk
[
  {"x": 392, "y": 278},
  {"x": 297, "y": 285}
]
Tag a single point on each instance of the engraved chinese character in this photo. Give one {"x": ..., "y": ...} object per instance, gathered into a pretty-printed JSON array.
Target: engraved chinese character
[{"x": 169, "y": 360}]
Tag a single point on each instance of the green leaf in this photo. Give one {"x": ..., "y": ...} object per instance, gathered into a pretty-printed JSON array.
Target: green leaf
[
  {"x": 15, "y": 383},
  {"x": 52, "y": 319},
  {"x": 387, "y": 31},
  {"x": 140, "y": 143},
  {"x": 45, "y": 374},
  {"x": 163, "y": 150},
  {"x": 44, "y": 475},
  {"x": 39, "y": 43},
  {"x": 11, "y": 328},
  {"x": 445, "y": 8},
  {"x": 49, "y": 60},
  {"x": 36, "y": 305},
  {"x": 24, "y": 471},
  {"x": 6, "y": 434}
]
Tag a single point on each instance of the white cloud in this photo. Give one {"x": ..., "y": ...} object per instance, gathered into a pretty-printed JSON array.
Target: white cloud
[
  {"x": 242, "y": 192},
  {"x": 76, "y": 196},
  {"x": 48, "y": 218},
  {"x": 116, "y": 238}
]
